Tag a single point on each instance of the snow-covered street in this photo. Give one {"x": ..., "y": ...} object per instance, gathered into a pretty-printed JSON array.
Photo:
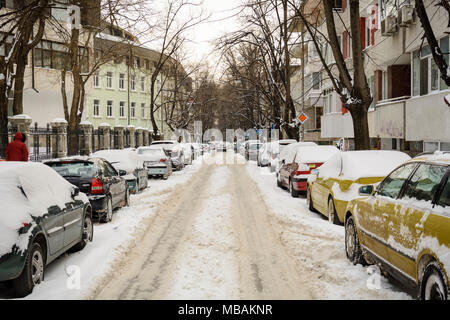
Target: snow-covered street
[{"x": 215, "y": 231}]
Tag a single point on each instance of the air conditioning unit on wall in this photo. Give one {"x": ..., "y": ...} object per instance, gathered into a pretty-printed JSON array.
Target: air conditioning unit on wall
[
  {"x": 406, "y": 15},
  {"x": 389, "y": 25}
]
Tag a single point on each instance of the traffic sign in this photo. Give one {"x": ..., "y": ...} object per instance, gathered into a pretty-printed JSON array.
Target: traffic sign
[{"x": 302, "y": 117}]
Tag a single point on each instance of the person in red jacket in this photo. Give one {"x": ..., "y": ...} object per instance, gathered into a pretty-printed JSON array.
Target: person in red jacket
[{"x": 17, "y": 150}]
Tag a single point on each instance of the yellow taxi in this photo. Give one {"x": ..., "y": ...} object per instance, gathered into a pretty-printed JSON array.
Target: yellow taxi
[
  {"x": 403, "y": 225},
  {"x": 337, "y": 181}
]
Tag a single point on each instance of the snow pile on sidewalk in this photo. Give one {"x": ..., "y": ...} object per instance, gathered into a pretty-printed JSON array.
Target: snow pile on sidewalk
[
  {"x": 207, "y": 268},
  {"x": 73, "y": 275},
  {"x": 319, "y": 248}
]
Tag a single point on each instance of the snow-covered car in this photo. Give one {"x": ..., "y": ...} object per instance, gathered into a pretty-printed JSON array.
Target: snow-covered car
[
  {"x": 97, "y": 178},
  {"x": 188, "y": 153},
  {"x": 129, "y": 165},
  {"x": 263, "y": 159},
  {"x": 403, "y": 225},
  {"x": 338, "y": 180},
  {"x": 275, "y": 149},
  {"x": 197, "y": 150},
  {"x": 157, "y": 161},
  {"x": 287, "y": 151},
  {"x": 296, "y": 170},
  {"x": 252, "y": 151},
  {"x": 175, "y": 150},
  {"x": 42, "y": 217}
]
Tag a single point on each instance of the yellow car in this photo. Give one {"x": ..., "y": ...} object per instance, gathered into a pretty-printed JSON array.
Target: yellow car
[
  {"x": 337, "y": 181},
  {"x": 403, "y": 225}
]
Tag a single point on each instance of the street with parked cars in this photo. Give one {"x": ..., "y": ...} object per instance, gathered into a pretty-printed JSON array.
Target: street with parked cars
[{"x": 369, "y": 208}]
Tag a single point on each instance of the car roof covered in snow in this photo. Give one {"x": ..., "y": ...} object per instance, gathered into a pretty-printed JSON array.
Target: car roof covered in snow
[
  {"x": 353, "y": 165},
  {"x": 127, "y": 160},
  {"x": 437, "y": 157}
]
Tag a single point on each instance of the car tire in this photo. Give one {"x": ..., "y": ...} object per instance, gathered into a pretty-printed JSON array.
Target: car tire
[
  {"x": 87, "y": 234},
  {"x": 332, "y": 214},
  {"x": 32, "y": 273},
  {"x": 353, "y": 249},
  {"x": 279, "y": 184},
  {"x": 294, "y": 193},
  {"x": 433, "y": 285},
  {"x": 107, "y": 217},
  {"x": 309, "y": 200}
]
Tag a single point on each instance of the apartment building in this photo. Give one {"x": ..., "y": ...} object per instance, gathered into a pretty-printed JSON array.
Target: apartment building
[{"x": 408, "y": 111}]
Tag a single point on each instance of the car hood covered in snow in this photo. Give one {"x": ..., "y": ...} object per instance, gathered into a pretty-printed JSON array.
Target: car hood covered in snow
[{"x": 28, "y": 189}]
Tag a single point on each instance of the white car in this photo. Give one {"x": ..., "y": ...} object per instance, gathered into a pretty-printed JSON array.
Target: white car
[
  {"x": 156, "y": 160},
  {"x": 188, "y": 153},
  {"x": 176, "y": 152},
  {"x": 280, "y": 156},
  {"x": 264, "y": 156},
  {"x": 275, "y": 149}
]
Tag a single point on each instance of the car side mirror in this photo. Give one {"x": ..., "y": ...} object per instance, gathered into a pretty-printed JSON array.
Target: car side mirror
[
  {"x": 75, "y": 192},
  {"x": 122, "y": 173},
  {"x": 366, "y": 190}
]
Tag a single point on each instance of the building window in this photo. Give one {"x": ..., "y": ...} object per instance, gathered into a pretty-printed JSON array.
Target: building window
[
  {"x": 122, "y": 109},
  {"x": 143, "y": 110},
  {"x": 372, "y": 91},
  {"x": 51, "y": 55},
  {"x": 337, "y": 5},
  {"x": 426, "y": 74},
  {"x": 133, "y": 83},
  {"x": 96, "y": 108},
  {"x": 316, "y": 80},
  {"x": 147, "y": 64},
  {"x": 109, "y": 108},
  {"x": 97, "y": 80},
  {"x": 385, "y": 85},
  {"x": 137, "y": 62},
  {"x": 133, "y": 109},
  {"x": 109, "y": 80},
  {"x": 122, "y": 81},
  {"x": 142, "y": 84}
]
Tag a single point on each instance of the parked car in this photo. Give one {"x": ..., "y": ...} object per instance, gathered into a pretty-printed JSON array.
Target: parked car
[
  {"x": 176, "y": 152},
  {"x": 129, "y": 164},
  {"x": 297, "y": 166},
  {"x": 252, "y": 151},
  {"x": 188, "y": 153},
  {"x": 338, "y": 180},
  {"x": 263, "y": 157},
  {"x": 42, "y": 217},
  {"x": 275, "y": 149},
  {"x": 287, "y": 150},
  {"x": 403, "y": 225},
  {"x": 157, "y": 161},
  {"x": 98, "y": 179}
]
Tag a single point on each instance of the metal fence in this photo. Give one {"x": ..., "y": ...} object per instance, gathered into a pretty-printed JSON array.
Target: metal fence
[{"x": 40, "y": 143}]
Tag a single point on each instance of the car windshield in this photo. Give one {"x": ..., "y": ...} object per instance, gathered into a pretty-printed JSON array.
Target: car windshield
[{"x": 74, "y": 169}]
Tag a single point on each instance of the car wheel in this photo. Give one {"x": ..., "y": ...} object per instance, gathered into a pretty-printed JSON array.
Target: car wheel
[
  {"x": 32, "y": 274},
  {"x": 107, "y": 217},
  {"x": 433, "y": 285},
  {"x": 279, "y": 184},
  {"x": 332, "y": 214},
  {"x": 352, "y": 245},
  {"x": 309, "y": 202},
  {"x": 165, "y": 177},
  {"x": 88, "y": 234},
  {"x": 294, "y": 193}
]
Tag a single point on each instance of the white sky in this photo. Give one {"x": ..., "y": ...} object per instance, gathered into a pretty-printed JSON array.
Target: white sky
[{"x": 220, "y": 23}]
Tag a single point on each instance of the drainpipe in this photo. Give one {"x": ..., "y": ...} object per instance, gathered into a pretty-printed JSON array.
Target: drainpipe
[{"x": 128, "y": 86}]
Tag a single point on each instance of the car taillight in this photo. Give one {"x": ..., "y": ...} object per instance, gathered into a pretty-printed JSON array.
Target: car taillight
[
  {"x": 96, "y": 186},
  {"x": 163, "y": 160}
]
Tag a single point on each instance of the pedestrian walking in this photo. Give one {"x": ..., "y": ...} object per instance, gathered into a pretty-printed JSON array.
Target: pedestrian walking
[{"x": 17, "y": 150}]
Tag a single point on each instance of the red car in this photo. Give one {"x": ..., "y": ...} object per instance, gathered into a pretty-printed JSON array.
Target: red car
[{"x": 297, "y": 166}]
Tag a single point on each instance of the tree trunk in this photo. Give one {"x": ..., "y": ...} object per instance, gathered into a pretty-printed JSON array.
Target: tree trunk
[
  {"x": 152, "y": 108},
  {"x": 19, "y": 85},
  {"x": 361, "y": 127}
]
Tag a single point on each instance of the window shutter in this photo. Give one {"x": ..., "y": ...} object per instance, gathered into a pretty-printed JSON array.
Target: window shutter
[
  {"x": 362, "y": 29},
  {"x": 374, "y": 22}
]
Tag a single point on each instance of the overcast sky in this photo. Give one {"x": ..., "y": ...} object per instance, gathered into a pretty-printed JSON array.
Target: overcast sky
[{"x": 221, "y": 22}]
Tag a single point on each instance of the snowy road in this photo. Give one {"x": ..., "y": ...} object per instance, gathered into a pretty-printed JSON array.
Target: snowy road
[{"x": 230, "y": 233}]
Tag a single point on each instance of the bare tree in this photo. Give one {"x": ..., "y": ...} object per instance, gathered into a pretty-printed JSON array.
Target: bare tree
[
  {"x": 18, "y": 23},
  {"x": 354, "y": 91}
]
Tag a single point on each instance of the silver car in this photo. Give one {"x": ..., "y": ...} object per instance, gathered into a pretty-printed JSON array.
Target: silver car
[{"x": 157, "y": 162}]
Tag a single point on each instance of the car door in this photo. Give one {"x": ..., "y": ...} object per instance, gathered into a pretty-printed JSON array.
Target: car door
[
  {"x": 406, "y": 223},
  {"x": 375, "y": 213},
  {"x": 53, "y": 225},
  {"x": 73, "y": 221},
  {"x": 118, "y": 186}
]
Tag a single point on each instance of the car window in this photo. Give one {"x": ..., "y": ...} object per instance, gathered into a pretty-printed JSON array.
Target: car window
[
  {"x": 74, "y": 169},
  {"x": 111, "y": 170},
  {"x": 391, "y": 186},
  {"x": 425, "y": 181},
  {"x": 444, "y": 199}
]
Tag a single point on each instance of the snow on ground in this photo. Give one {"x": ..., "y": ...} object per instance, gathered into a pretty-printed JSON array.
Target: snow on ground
[
  {"x": 319, "y": 248},
  {"x": 72, "y": 275},
  {"x": 206, "y": 268}
]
